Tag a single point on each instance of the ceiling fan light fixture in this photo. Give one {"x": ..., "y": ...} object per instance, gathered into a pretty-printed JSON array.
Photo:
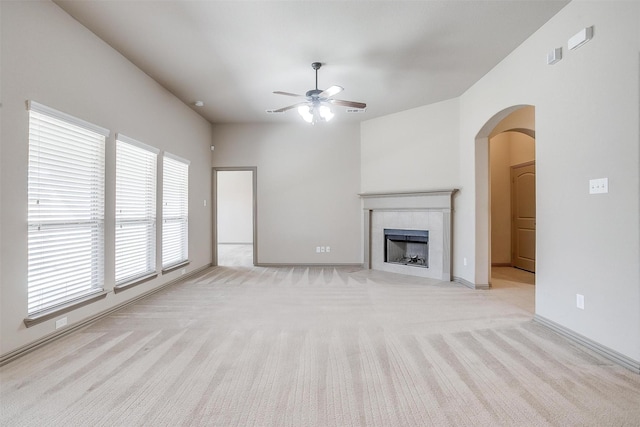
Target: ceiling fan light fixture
[
  {"x": 315, "y": 113},
  {"x": 305, "y": 113},
  {"x": 325, "y": 113}
]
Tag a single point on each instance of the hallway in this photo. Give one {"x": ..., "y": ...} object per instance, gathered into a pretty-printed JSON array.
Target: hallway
[{"x": 515, "y": 286}]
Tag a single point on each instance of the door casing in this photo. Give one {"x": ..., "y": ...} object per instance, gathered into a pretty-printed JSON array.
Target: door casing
[{"x": 214, "y": 215}]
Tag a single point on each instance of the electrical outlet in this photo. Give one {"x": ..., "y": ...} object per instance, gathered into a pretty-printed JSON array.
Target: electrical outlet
[
  {"x": 580, "y": 301},
  {"x": 61, "y": 322},
  {"x": 599, "y": 186},
  {"x": 317, "y": 249},
  {"x": 322, "y": 249},
  {"x": 328, "y": 249}
]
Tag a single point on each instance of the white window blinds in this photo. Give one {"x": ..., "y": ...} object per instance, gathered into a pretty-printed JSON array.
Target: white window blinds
[
  {"x": 66, "y": 208},
  {"x": 135, "y": 237},
  {"x": 175, "y": 210}
]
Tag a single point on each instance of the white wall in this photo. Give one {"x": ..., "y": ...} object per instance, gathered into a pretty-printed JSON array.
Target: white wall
[
  {"x": 235, "y": 206},
  {"x": 50, "y": 58},
  {"x": 587, "y": 126},
  {"x": 412, "y": 150},
  {"x": 308, "y": 178}
]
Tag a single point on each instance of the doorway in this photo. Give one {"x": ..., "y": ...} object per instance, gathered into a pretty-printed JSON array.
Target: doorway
[
  {"x": 234, "y": 216},
  {"x": 510, "y": 191}
]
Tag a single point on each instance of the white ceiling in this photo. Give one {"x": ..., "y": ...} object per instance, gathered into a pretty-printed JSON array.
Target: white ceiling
[{"x": 392, "y": 55}]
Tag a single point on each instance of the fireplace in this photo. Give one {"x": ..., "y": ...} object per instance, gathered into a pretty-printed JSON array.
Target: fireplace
[
  {"x": 406, "y": 247},
  {"x": 409, "y": 232}
]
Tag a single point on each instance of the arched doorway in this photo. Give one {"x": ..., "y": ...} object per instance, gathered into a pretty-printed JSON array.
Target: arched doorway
[{"x": 516, "y": 123}]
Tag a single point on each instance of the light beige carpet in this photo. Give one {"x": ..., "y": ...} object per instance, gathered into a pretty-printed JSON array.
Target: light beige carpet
[{"x": 318, "y": 347}]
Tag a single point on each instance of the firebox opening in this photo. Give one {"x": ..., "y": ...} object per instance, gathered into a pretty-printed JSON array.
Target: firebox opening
[{"x": 407, "y": 247}]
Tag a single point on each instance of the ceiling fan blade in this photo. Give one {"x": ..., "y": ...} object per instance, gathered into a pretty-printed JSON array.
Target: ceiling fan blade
[
  {"x": 288, "y": 94},
  {"x": 351, "y": 104},
  {"x": 283, "y": 109},
  {"x": 328, "y": 93}
]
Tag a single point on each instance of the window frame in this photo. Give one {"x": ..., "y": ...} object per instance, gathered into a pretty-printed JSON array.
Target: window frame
[
  {"x": 65, "y": 195},
  {"x": 175, "y": 211},
  {"x": 136, "y": 252}
]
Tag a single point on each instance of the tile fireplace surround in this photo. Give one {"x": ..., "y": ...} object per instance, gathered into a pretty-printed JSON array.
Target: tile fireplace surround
[{"x": 419, "y": 210}]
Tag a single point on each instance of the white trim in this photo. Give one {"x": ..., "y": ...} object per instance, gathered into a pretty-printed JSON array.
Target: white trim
[
  {"x": 469, "y": 284},
  {"x": 177, "y": 158},
  {"x": 606, "y": 352},
  {"x": 123, "y": 138},
  {"x": 52, "y": 112}
]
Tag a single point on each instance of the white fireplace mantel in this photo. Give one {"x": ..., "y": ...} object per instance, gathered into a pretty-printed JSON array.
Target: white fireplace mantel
[{"x": 430, "y": 210}]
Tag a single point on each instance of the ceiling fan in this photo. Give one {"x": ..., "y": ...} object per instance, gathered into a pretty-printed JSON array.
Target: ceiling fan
[{"x": 316, "y": 106}]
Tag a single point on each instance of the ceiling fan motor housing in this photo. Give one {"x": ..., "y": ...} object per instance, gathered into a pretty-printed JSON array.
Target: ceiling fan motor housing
[{"x": 313, "y": 93}]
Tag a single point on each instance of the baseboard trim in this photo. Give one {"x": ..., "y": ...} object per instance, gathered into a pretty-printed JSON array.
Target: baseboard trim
[
  {"x": 275, "y": 264},
  {"x": 270, "y": 264},
  {"x": 612, "y": 355},
  {"x": 469, "y": 284},
  {"x": 21, "y": 351}
]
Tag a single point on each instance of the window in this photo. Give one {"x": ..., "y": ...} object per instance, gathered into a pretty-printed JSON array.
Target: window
[
  {"x": 175, "y": 211},
  {"x": 66, "y": 208},
  {"x": 135, "y": 239}
]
